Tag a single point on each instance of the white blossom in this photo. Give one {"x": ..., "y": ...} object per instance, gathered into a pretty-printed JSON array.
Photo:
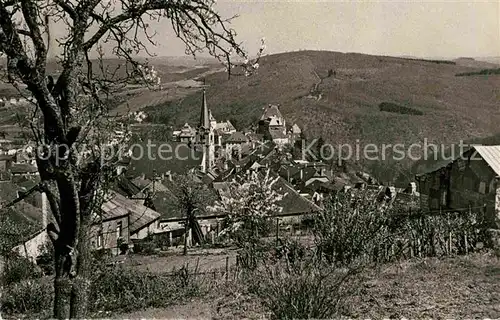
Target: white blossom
[{"x": 253, "y": 198}]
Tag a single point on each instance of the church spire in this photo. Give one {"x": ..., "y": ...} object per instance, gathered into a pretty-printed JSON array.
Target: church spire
[{"x": 205, "y": 116}]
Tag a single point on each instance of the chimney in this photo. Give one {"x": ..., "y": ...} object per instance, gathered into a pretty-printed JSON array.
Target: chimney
[{"x": 44, "y": 210}]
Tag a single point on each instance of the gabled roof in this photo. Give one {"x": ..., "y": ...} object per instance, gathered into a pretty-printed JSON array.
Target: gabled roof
[
  {"x": 275, "y": 121},
  {"x": 237, "y": 137},
  {"x": 271, "y": 111},
  {"x": 490, "y": 154},
  {"x": 118, "y": 206},
  {"x": 296, "y": 129},
  {"x": 293, "y": 202},
  {"x": 126, "y": 187},
  {"x": 187, "y": 131},
  {"x": 225, "y": 125}
]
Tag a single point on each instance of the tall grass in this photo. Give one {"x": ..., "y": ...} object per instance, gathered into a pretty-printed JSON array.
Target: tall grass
[{"x": 113, "y": 289}]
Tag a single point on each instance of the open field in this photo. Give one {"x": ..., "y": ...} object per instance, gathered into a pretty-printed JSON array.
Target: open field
[
  {"x": 456, "y": 287},
  {"x": 200, "y": 260}
]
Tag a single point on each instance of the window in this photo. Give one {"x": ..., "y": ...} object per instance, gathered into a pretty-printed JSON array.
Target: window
[
  {"x": 443, "y": 198},
  {"x": 99, "y": 240},
  {"x": 482, "y": 187},
  {"x": 492, "y": 186},
  {"x": 119, "y": 231}
]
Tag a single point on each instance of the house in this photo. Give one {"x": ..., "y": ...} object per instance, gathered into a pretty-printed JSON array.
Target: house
[
  {"x": 32, "y": 247},
  {"x": 295, "y": 132},
  {"x": 467, "y": 182},
  {"x": 272, "y": 125},
  {"x": 122, "y": 220},
  {"x": 234, "y": 144},
  {"x": 186, "y": 134},
  {"x": 23, "y": 169},
  {"x": 225, "y": 127}
]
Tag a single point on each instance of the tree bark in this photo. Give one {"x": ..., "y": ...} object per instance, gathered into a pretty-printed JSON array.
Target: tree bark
[{"x": 81, "y": 285}]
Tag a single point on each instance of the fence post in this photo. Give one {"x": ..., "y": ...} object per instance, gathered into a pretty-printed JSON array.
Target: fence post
[
  {"x": 277, "y": 231},
  {"x": 227, "y": 268},
  {"x": 466, "y": 243}
]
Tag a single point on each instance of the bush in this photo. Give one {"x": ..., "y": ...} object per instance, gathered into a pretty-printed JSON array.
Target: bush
[
  {"x": 483, "y": 72},
  {"x": 396, "y": 108},
  {"x": 46, "y": 260},
  {"x": 18, "y": 268},
  {"x": 305, "y": 290},
  {"x": 118, "y": 288},
  {"x": 112, "y": 289},
  {"x": 350, "y": 229},
  {"x": 143, "y": 247},
  {"x": 28, "y": 297}
]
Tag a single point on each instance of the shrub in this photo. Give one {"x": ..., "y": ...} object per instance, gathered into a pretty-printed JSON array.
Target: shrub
[
  {"x": 27, "y": 297},
  {"x": 396, "y": 108},
  {"x": 483, "y": 72},
  {"x": 145, "y": 247},
  {"x": 118, "y": 288},
  {"x": 18, "y": 268},
  {"x": 351, "y": 228},
  {"x": 305, "y": 290},
  {"x": 46, "y": 260}
]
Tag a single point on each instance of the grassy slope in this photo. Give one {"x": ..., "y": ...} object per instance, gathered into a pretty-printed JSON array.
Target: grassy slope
[
  {"x": 454, "y": 107},
  {"x": 455, "y": 287}
]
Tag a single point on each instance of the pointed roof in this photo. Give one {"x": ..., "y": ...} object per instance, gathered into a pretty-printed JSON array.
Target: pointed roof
[
  {"x": 296, "y": 128},
  {"x": 211, "y": 115},
  {"x": 271, "y": 111},
  {"x": 205, "y": 114},
  {"x": 490, "y": 154}
]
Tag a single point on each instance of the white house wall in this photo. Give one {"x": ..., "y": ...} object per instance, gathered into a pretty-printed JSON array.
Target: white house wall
[{"x": 31, "y": 249}]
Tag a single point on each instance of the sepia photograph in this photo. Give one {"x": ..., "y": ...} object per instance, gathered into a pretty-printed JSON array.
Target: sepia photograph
[{"x": 250, "y": 159}]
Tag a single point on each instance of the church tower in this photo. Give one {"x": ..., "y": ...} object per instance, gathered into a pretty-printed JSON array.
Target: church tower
[{"x": 206, "y": 137}]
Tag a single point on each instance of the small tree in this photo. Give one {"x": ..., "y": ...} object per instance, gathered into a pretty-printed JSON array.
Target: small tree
[
  {"x": 248, "y": 202},
  {"x": 191, "y": 199}
]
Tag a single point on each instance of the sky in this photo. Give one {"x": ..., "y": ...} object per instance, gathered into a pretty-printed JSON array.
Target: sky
[
  {"x": 439, "y": 29},
  {"x": 398, "y": 28}
]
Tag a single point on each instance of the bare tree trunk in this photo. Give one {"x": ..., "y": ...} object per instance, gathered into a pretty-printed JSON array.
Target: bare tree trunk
[
  {"x": 81, "y": 283},
  {"x": 62, "y": 286},
  {"x": 186, "y": 230},
  {"x": 65, "y": 244}
]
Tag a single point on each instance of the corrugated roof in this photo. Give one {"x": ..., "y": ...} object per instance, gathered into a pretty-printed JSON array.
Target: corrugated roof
[
  {"x": 118, "y": 206},
  {"x": 490, "y": 154}
]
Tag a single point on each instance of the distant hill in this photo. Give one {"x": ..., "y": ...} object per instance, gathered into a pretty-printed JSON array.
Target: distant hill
[
  {"x": 494, "y": 60},
  {"x": 476, "y": 63},
  {"x": 337, "y": 96}
]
